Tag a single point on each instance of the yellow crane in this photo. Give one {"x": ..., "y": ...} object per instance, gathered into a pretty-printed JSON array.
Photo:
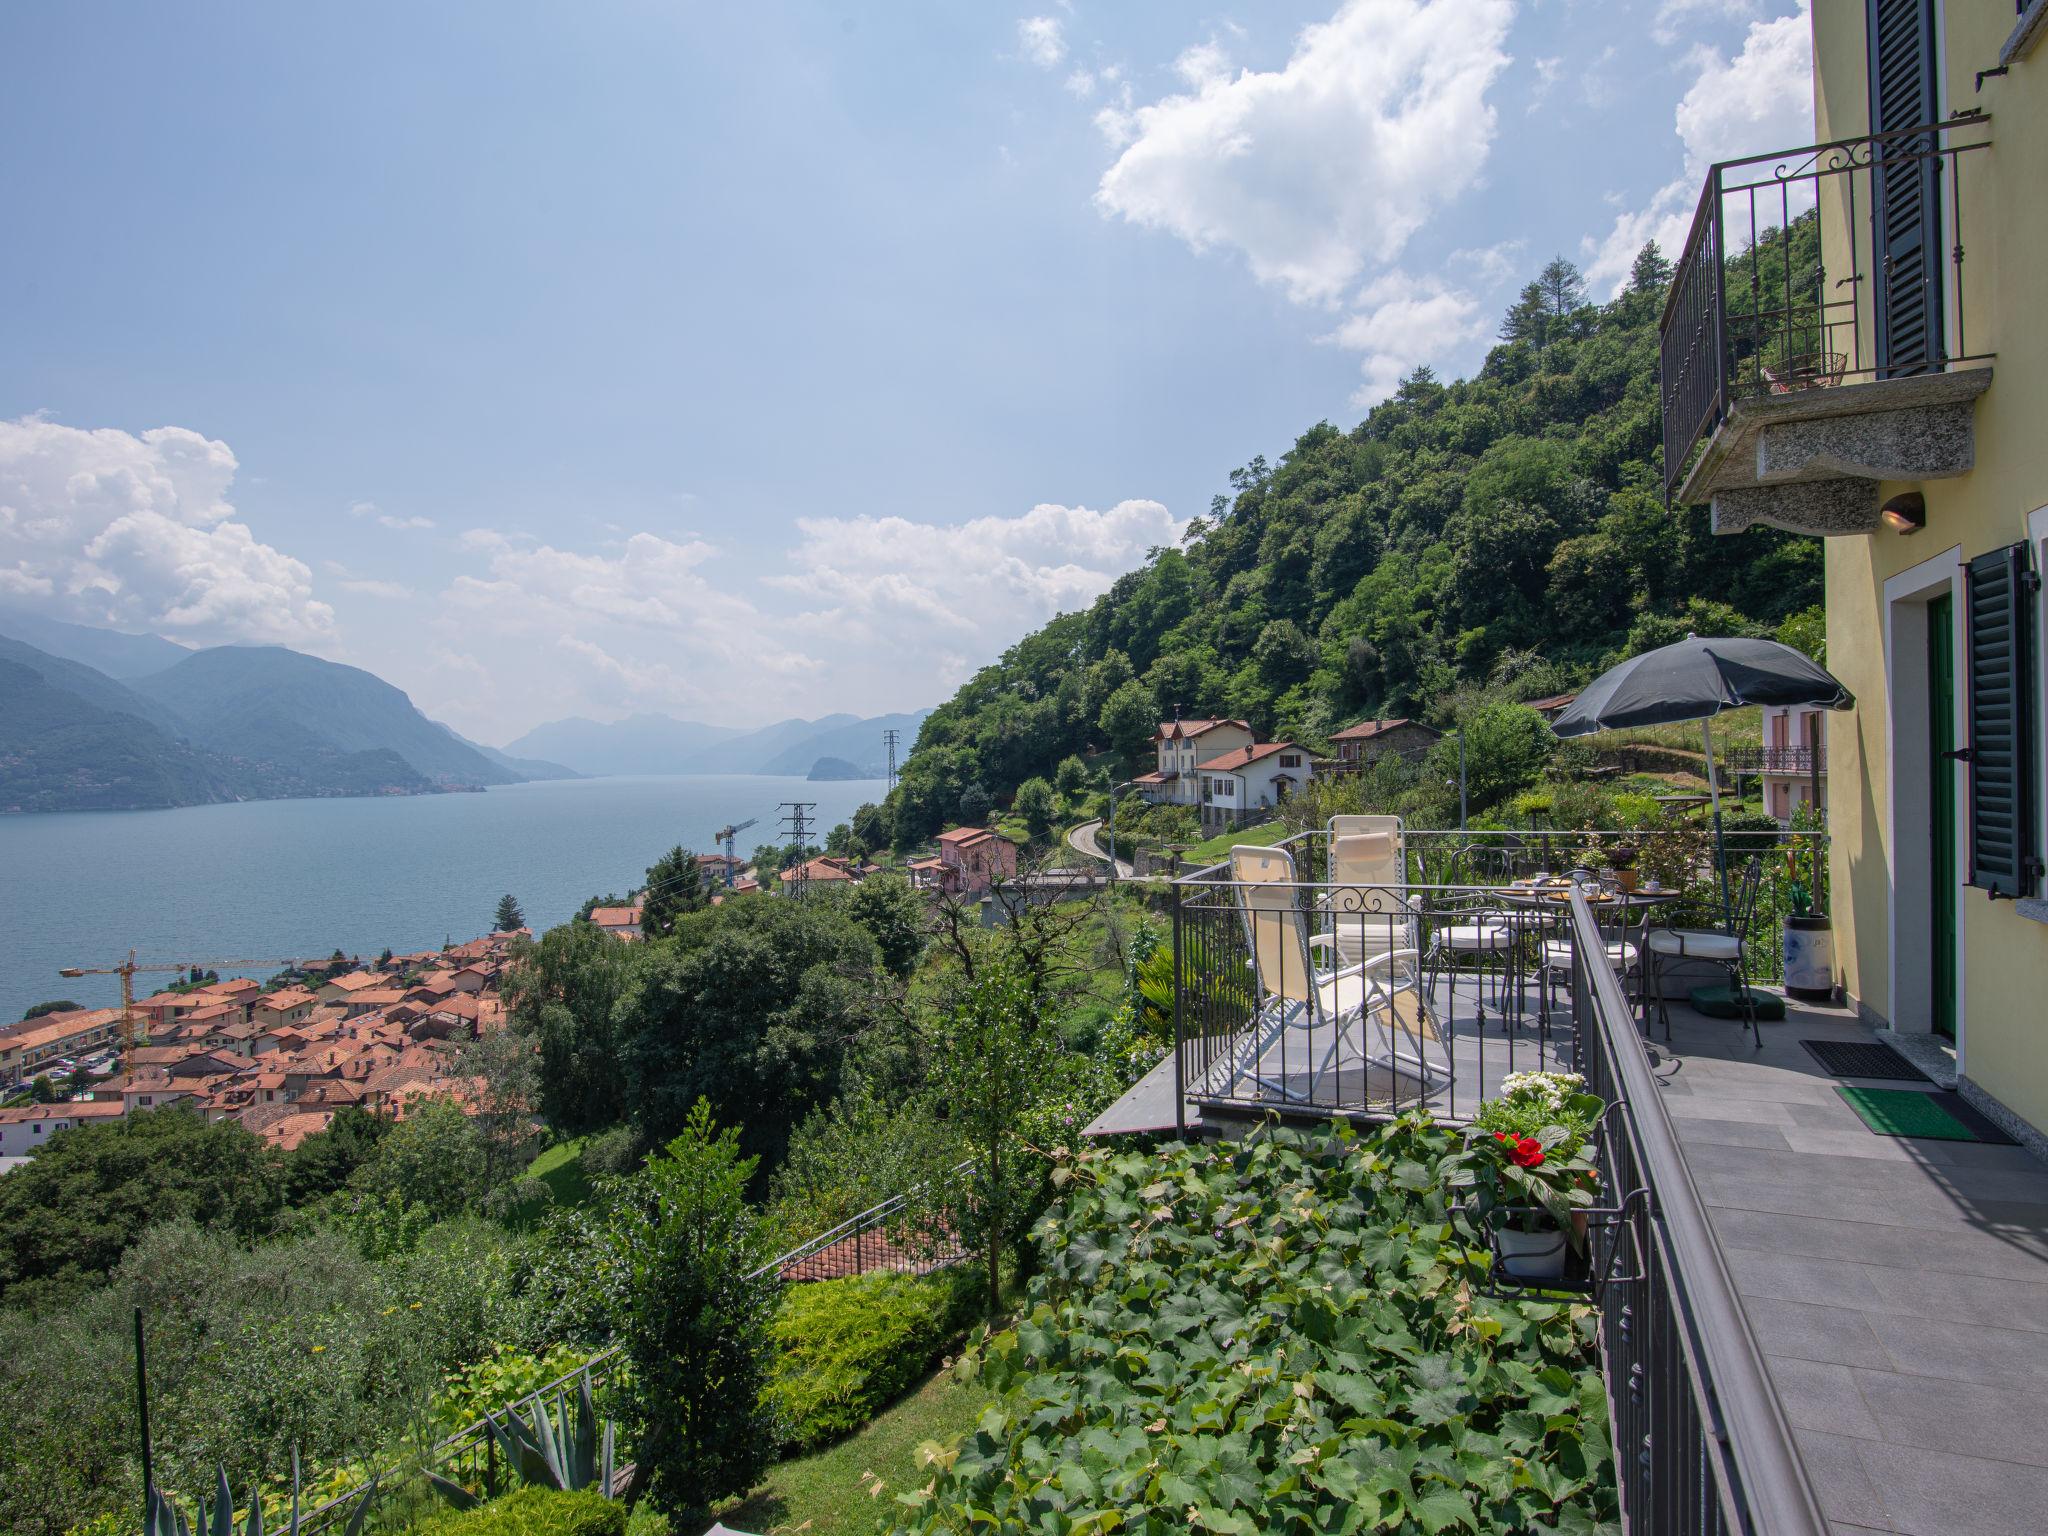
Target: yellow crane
[{"x": 127, "y": 971}]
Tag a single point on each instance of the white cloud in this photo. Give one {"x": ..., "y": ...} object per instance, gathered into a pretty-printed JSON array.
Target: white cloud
[
  {"x": 1757, "y": 101},
  {"x": 1672, "y": 14},
  {"x": 1332, "y": 162},
  {"x": 1081, "y": 83},
  {"x": 1042, "y": 40},
  {"x": 105, "y": 527},
  {"x": 971, "y": 587},
  {"x": 368, "y": 586},
  {"x": 1400, "y": 321},
  {"x": 385, "y": 519}
]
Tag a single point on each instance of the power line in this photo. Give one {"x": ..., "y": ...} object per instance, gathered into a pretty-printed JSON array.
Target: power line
[
  {"x": 796, "y": 815},
  {"x": 890, "y": 738}
]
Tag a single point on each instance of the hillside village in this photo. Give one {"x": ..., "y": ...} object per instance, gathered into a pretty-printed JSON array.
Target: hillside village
[{"x": 280, "y": 1062}]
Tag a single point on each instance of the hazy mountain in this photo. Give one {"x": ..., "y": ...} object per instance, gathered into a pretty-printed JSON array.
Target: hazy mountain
[
  {"x": 261, "y": 702},
  {"x": 651, "y": 743},
  {"x": 525, "y": 767},
  {"x": 73, "y": 739},
  {"x": 755, "y": 750},
  {"x": 644, "y": 743},
  {"x": 110, "y": 651},
  {"x": 859, "y": 743}
]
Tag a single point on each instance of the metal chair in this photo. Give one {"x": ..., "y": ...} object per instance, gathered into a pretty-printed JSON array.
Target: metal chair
[
  {"x": 1729, "y": 949},
  {"x": 1296, "y": 997},
  {"x": 1470, "y": 931}
]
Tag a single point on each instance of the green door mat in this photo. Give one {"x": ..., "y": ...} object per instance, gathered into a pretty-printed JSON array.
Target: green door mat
[{"x": 1907, "y": 1112}]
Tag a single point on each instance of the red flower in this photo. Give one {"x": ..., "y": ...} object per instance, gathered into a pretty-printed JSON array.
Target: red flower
[
  {"x": 1527, "y": 1153},
  {"x": 1502, "y": 1136}
]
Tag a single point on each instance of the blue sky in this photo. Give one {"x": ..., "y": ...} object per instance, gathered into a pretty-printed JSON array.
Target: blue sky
[{"x": 748, "y": 361}]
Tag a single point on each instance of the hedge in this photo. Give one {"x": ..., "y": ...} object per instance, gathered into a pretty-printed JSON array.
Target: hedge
[
  {"x": 534, "y": 1512},
  {"x": 846, "y": 1349}
]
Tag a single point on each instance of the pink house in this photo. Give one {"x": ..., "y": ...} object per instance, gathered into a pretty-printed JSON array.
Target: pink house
[{"x": 970, "y": 858}]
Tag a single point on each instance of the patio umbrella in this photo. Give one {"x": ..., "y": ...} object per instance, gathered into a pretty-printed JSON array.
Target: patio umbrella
[{"x": 1695, "y": 680}]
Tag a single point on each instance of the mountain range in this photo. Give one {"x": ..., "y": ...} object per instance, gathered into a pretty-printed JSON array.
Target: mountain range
[
  {"x": 93, "y": 719},
  {"x": 654, "y": 743}
]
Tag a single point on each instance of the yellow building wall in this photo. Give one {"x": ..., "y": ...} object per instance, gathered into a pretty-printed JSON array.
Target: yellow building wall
[{"x": 2003, "y": 1025}]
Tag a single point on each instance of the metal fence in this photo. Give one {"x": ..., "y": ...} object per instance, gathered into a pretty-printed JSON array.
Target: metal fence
[
  {"x": 895, "y": 1235},
  {"x": 1701, "y": 1443},
  {"x": 1751, "y": 312}
]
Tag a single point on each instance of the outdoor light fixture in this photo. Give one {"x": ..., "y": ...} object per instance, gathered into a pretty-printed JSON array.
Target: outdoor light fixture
[{"x": 1905, "y": 512}]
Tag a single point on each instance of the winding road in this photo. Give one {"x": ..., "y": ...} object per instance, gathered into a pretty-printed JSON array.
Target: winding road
[{"x": 1083, "y": 841}]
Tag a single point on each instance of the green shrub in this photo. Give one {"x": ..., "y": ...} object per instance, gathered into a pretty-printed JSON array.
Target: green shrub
[
  {"x": 845, "y": 1349},
  {"x": 534, "y": 1512}
]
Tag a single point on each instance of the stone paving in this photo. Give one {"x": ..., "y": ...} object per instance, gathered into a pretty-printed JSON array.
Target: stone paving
[{"x": 1897, "y": 1288}]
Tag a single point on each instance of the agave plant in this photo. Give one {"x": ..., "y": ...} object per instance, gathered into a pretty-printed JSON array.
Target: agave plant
[
  {"x": 568, "y": 1449},
  {"x": 218, "y": 1517}
]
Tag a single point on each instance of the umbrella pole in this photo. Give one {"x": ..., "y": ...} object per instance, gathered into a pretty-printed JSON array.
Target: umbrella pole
[{"x": 1720, "y": 843}]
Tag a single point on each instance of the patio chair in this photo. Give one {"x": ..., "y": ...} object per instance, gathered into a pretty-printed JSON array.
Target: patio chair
[
  {"x": 1472, "y": 932},
  {"x": 1295, "y": 997},
  {"x": 1623, "y": 946},
  {"x": 1729, "y": 949},
  {"x": 1368, "y": 907}
]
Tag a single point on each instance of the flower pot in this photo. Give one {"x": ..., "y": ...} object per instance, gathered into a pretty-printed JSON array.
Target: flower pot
[
  {"x": 1809, "y": 957},
  {"x": 1530, "y": 1255}
]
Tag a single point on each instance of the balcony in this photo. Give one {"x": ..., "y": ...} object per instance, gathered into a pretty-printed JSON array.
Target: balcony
[
  {"x": 1805, "y": 1326},
  {"x": 1788, "y": 760},
  {"x": 1815, "y": 341}
]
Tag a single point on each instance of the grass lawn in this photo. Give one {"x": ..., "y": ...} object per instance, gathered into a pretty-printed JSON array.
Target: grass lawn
[
  {"x": 1217, "y": 849},
  {"x": 827, "y": 1494},
  {"x": 560, "y": 1167}
]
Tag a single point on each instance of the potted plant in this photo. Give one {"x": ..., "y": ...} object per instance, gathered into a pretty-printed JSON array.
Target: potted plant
[
  {"x": 1527, "y": 1163},
  {"x": 1809, "y": 941}
]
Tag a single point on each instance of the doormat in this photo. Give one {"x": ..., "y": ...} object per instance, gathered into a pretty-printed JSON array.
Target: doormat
[
  {"x": 1863, "y": 1058},
  {"x": 1921, "y": 1116}
]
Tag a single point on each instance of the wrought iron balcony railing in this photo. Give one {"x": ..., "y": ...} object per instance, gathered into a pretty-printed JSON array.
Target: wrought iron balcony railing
[
  {"x": 1777, "y": 759},
  {"x": 1813, "y": 268}
]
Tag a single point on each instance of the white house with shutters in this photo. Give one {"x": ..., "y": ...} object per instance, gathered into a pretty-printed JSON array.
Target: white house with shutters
[{"x": 1245, "y": 784}]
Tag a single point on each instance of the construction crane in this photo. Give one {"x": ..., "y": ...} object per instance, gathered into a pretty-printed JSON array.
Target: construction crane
[
  {"x": 726, "y": 835},
  {"x": 128, "y": 970}
]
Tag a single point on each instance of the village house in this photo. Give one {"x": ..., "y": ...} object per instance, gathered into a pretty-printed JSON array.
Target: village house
[
  {"x": 1180, "y": 747},
  {"x": 26, "y": 1128},
  {"x": 1238, "y": 786},
  {"x": 619, "y": 922},
  {"x": 28, "y": 1048},
  {"x": 1357, "y": 745},
  {"x": 827, "y": 868},
  {"x": 1791, "y": 762},
  {"x": 339, "y": 989},
  {"x": 275, "y": 1009},
  {"x": 973, "y": 858}
]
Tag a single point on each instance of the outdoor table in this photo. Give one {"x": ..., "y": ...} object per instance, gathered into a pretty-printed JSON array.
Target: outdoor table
[{"x": 1536, "y": 902}]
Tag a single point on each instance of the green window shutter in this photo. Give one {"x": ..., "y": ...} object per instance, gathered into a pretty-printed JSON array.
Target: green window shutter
[{"x": 2004, "y": 856}]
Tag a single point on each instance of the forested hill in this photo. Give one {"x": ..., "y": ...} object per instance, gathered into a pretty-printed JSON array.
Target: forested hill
[{"x": 1509, "y": 528}]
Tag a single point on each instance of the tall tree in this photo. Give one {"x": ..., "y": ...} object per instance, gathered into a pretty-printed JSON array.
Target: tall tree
[
  {"x": 1562, "y": 285},
  {"x": 509, "y": 920},
  {"x": 685, "y": 1248},
  {"x": 675, "y": 886}
]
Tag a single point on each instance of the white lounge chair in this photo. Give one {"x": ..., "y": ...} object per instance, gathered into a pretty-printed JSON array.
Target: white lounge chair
[{"x": 1296, "y": 997}]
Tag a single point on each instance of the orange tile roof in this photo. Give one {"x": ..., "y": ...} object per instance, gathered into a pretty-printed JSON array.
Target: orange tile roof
[
  {"x": 1365, "y": 730},
  {"x": 1244, "y": 757}
]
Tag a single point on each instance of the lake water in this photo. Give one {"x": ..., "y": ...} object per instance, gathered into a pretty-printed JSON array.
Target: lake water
[{"x": 303, "y": 877}]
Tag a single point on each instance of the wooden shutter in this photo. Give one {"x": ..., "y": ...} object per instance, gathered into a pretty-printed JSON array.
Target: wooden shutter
[
  {"x": 1906, "y": 187},
  {"x": 1999, "y": 635}
]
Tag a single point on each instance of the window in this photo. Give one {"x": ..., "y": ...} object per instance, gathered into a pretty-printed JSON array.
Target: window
[
  {"x": 2000, "y": 585},
  {"x": 1290, "y": 759}
]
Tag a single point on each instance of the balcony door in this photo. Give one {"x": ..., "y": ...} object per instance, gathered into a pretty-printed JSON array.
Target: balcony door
[
  {"x": 1941, "y": 767},
  {"x": 1906, "y": 185}
]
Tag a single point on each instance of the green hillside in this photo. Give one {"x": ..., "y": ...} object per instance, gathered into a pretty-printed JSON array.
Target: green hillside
[{"x": 1506, "y": 529}]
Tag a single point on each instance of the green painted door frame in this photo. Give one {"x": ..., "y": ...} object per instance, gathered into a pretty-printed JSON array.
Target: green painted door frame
[{"x": 1941, "y": 738}]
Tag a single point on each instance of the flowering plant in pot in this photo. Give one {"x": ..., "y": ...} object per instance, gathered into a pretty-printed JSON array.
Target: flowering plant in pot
[{"x": 1526, "y": 1158}]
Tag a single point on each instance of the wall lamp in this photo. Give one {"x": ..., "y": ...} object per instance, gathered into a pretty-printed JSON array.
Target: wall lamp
[{"x": 1905, "y": 512}]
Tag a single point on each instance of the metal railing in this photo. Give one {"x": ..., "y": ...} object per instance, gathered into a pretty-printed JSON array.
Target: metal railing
[
  {"x": 1752, "y": 311},
  {"x": 1309, "y": 989},
  {"x": 893, "y": 1236},
  {"x": 1776, "y": 759},
  {"x": 860, "y": 1245},
  {"x": 1702, "y": 1446}
]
